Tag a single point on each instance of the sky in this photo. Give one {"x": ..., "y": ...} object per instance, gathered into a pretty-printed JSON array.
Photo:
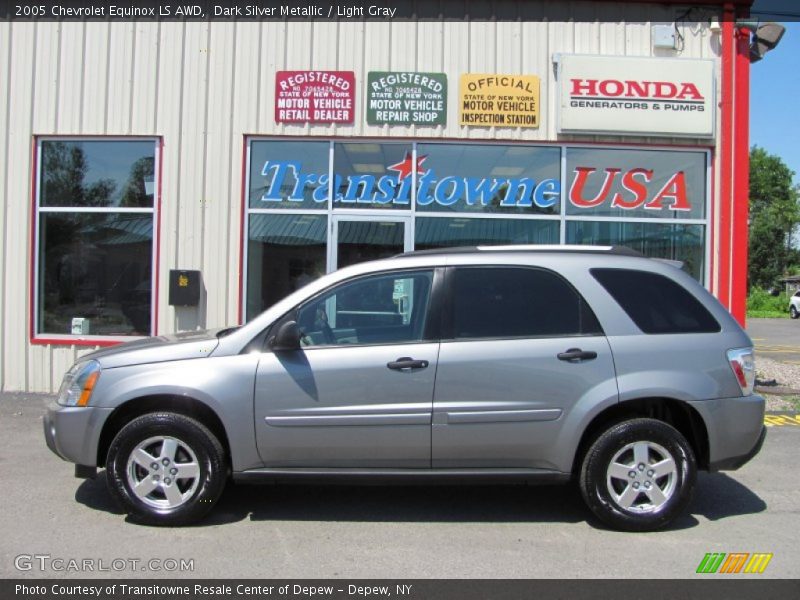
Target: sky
[{"x": 775, "y": 94}]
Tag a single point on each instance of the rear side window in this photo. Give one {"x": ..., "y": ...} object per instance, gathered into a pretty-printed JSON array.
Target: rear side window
[
  {"x": 505, "y": 302},
  {"x": 656, "y": 303}
]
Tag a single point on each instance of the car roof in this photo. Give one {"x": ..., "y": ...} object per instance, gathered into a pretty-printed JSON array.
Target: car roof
[{"x": 550, "y": 248}]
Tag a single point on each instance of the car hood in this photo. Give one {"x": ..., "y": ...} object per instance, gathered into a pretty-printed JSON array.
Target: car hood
[{"x": 179, "y": 346}]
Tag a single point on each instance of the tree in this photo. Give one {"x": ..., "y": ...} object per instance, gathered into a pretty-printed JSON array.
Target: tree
[
  {"x": 774, "y": 215},
  {"x": 65, "y": 169},
  {"x": 135, "y": 193}
]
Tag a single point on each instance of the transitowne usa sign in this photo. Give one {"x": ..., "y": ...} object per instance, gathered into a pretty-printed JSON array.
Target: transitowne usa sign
[{"x": 636, "y": 96}]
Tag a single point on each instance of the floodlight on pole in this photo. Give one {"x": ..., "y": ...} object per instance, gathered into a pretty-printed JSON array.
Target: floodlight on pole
[{"x": 763, "y": 37}]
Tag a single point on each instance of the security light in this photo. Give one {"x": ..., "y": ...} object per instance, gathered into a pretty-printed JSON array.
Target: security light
[{"x": 765, "y": 37}]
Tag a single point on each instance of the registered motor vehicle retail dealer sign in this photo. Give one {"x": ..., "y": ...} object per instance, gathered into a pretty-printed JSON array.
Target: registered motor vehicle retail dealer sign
[
  {"x": 636, "y": 96},
  {"x": 406, "y": 98},
  {"x": 499, "y": 100},
  {"x": 315, "y": 96}
]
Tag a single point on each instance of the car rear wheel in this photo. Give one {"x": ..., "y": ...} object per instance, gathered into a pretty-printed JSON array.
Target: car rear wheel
[
  {"x": 638, "y": 475},
  {"x": 793, "y": 312},
  {"x": 166, "y": 469}
]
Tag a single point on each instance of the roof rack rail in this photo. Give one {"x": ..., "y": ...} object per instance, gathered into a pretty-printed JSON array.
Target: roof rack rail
[{"x": 615, "y": 250}]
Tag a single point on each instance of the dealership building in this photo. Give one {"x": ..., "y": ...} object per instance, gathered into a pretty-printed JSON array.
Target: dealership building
[{"x": 173, "y": 175}]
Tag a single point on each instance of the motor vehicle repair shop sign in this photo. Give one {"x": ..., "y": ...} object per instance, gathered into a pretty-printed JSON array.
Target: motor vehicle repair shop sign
[{"x": 405, "y": 98}]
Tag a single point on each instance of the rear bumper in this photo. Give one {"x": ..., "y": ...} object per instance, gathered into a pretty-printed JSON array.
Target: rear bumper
[
  {"x": 735, "y": 428},
  {"x": 734, "y": 462}
]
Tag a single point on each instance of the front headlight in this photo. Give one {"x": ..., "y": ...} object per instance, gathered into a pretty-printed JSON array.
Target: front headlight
[{"x": 78, "y": 384}]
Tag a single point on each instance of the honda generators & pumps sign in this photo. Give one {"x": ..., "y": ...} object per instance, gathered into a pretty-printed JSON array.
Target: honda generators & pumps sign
[{"x": 668, "y": 97}]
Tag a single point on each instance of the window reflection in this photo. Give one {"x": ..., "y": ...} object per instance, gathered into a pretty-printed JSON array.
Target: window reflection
[
  {"x": 385, "y": 309},
  {"x": 284, "y": 253},
  {"x": 684, "y": 243},
  {"x": 95, "y": 266},
  {"x": 97, "y": 173},
  {"x": 443, "y": 232},
  {"x": 370, "y": 175},
  {"x": 488, "y": 178},
  {"x": 289, "y": 175},
  {"x": 636, "y": 183}
]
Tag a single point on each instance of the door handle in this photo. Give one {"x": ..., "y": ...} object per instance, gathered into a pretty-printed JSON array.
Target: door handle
[
  {"x": 406, "y": 362},
  {"x": 576, "y": 355}
]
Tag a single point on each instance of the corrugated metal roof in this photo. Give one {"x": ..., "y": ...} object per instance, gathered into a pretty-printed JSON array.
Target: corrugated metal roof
[
  {"x": 288, "y": 230},
  {"x": 457, "y": 232},
  {"x": 129, "y": 230},
  {"x": 374, "y": 233}
]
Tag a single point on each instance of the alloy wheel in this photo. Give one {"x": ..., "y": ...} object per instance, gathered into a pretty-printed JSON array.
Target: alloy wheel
[
  {"x": 163, "y": 472},
  {"x": 642, "y": 477}
]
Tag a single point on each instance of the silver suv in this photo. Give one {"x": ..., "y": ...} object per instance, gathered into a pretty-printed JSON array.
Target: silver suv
[{"x": 530, "y": 363}]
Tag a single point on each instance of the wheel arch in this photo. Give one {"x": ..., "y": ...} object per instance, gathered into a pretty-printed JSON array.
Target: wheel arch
[
  {"x": 183, "y": 405},
  {"x": 676, "y": 413}
]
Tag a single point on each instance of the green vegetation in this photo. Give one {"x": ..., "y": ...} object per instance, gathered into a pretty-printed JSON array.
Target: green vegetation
[
  {"x": 774, "y": 215},
  {"x": 761, "y": 304}
]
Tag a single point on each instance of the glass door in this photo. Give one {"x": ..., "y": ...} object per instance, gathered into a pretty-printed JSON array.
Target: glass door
[{"x": 361, "y": 238}]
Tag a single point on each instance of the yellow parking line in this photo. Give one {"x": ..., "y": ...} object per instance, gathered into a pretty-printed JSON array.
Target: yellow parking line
[
  {"x": 788, "y": 346},
  {"x": 781, "y": 420}
]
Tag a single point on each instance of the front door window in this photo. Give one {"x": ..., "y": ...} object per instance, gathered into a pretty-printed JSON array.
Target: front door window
[{"x": 387, "y": 309}]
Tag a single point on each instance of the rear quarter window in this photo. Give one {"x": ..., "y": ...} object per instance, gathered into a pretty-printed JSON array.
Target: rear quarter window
[
  {"x": 517, "y": 302},
  {"x": 656, "y": 303}
]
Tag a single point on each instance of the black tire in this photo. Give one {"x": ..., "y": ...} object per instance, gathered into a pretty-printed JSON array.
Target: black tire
[
  {"x": 620, "y": 499},
  {"x": 190, "y": 497},
  {"x": 793, "y": 312}
]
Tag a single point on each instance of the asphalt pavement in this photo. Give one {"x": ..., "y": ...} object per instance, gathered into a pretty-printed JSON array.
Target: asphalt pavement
[
  {"x": 778, "y": 339},
  {"x": 382, "y": 532}
]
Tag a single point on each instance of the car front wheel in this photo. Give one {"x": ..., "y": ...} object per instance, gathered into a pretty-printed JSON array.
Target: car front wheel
[
  {"x": 166, "y": 469},
  {"x": 793, "y": 312},
  {"x": 638, "y": 475}
]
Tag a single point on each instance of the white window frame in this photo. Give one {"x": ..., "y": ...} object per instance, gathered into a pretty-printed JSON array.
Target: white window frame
[{"x": 41, "y": 337}]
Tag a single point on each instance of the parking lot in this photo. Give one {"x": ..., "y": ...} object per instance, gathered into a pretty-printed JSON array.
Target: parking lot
[
  {"x": 382, "y": 532},
  {"x": 778, "y": 339}
]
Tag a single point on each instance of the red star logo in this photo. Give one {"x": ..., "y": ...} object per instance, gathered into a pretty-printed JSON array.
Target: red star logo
[{"x": 405, "y": 166}]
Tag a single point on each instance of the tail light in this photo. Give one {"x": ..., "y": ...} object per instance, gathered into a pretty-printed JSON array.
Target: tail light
[{"x": 743, "y": 365}]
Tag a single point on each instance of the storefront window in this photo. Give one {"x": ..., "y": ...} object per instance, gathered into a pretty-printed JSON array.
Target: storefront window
[
  {"x": 636, "y": 183},
  {"x": 284, "y": 253},
  {"x": 443, "y": 232},
  {"x": 684, "y": 243},
  {"x": 95, "y": 237},
  {"x": 371, "y": 175},
  {"x": 319, "y": 205},
  {"x": 289, "y": 175},
  {"x": 488, "y": 179}
]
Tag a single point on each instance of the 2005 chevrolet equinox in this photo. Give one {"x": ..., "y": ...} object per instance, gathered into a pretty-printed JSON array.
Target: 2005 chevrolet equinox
[{"x": 515, "y": 363}]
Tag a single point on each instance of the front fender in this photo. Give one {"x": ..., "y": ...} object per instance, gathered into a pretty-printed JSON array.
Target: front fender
[{"x": 224, "y": 384}]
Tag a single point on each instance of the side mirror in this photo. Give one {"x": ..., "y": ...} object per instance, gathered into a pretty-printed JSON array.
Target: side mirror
[{"x": 287, "y": 338}]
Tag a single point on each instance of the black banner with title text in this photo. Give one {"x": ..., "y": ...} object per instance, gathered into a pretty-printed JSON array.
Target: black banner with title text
[
  {"x": 331, "y": 10},
  {"x": 411, "y": 589}
]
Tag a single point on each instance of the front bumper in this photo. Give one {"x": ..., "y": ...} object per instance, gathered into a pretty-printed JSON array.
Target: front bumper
[
  {"x": 735, "y": 428},
  {"x": 73, "y": 432}
]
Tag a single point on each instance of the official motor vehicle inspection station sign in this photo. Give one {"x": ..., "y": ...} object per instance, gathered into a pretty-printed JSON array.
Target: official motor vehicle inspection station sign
[
  {"x": 406, "y": 98},
  {"x": 315, "y": 96},
  {"x": 636, "y": 96},
  {"x": 499, "y": 100}
]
